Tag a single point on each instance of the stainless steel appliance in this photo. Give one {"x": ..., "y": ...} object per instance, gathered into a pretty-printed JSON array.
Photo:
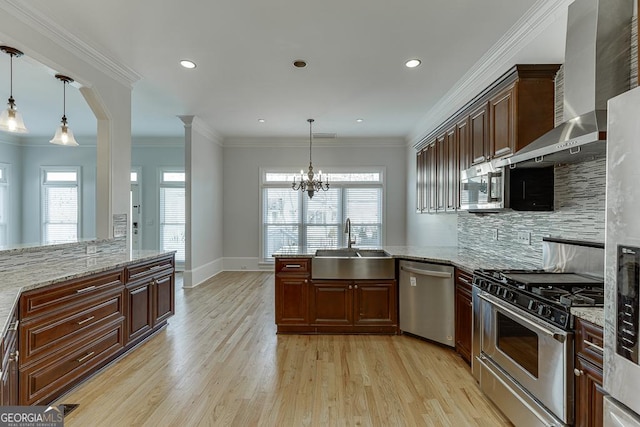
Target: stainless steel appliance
[
  {"x": 523, "y": 339},
  {"x": 622, "y": 262},
  {"x": 482, "y": 188},
  {"x": 427, "y": 301}
]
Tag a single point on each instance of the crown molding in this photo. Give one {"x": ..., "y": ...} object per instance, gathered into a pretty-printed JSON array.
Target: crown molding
[
  {"x": 490, "y": 65},
  {"x": 39, "y": 22},
  {"x": 292, "y": 142},
  {"x": 203, "y": 129}
]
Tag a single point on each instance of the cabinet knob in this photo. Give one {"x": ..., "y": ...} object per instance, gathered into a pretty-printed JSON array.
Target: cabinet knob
[
  {"x": 350, "y": 287},
  {"x": 306, "y": 281},
  {"x": 355, "y": 286},
  {"x": 13, "y": 357},
  {"x": 578, "y": 372}
]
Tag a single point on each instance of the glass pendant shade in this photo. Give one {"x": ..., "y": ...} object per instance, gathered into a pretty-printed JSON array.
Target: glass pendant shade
[
  {"x": 64, "y": 136},
  {"x": 11, "y": 120}
]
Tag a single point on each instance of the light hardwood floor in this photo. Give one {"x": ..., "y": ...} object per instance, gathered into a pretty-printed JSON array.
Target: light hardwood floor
[{"x": 220, "y": 363}]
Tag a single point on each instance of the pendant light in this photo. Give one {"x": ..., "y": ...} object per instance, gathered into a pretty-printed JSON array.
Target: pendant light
[
  {"x": 11, "y": 119},
  {"x": 310, "y": 184},
  {"x": 64, "y": 135}
]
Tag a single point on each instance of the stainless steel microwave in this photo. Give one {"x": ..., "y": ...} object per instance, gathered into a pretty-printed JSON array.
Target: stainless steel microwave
[
  {"x": 482, "y": 187},
  {"x": 487, "y": 188}
]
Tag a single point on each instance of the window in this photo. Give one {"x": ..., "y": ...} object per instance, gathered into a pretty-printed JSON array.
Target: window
[
  {"x": 172, "y": 213},
  {"x": 60, "y": 204},
  {"x": 4, "y": 202},
  {"x": 290, "y": 220}
]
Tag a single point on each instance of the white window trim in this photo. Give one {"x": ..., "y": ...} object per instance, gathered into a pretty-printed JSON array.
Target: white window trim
[
  {"x": 44, "y": 184},
  {"x": 4, "y": 182},
  {"x": 175, "y": 184},
  {"x": 288, "y": 170}
]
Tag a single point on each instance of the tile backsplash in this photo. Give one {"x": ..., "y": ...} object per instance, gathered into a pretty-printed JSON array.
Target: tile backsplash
[{"x": 579, "y": 214}]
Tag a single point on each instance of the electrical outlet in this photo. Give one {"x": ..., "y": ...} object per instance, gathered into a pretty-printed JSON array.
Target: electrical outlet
[
  {"x": 524, "y": 237},
  {"x": 91, "y": 249},
  {"x": 495, "y": 234}
]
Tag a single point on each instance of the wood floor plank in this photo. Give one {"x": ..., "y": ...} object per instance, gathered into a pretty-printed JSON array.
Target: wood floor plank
[{"x": 220, "y": 363}]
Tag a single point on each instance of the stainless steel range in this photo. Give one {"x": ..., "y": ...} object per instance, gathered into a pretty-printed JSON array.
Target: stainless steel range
[{"x": 523, "y": 338}]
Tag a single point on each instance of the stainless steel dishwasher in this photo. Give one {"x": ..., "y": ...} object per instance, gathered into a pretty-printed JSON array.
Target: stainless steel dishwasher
[{"x": 427, "y": 301}]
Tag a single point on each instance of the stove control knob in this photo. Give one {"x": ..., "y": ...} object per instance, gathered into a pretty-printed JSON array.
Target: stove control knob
[
  {"x": 544, "y": 311},
  {"x": 533, "y": 305},
  {"x": 509, "y": 295}
]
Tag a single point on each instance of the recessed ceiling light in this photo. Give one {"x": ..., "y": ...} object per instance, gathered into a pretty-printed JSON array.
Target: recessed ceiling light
[
  {"x": 412, "y": 63},
  {"x": 299, "y": 63},
  {"x": 188, "y": 64},
  {"x": 359, "y": 120},
  {"x": 260, "y": 120}
]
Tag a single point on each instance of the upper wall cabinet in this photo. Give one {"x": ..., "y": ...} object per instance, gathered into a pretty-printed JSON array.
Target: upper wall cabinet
[{"x": 504, "y": 118}]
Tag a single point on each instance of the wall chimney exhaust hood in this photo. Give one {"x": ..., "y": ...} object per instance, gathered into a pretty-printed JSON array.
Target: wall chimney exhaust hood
[{"x": 596, "y": 68}]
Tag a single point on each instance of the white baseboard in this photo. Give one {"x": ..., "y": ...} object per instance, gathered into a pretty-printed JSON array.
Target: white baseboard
[
  {"x": 245, "y": 264},
  {"x": 198, "y": 275}
]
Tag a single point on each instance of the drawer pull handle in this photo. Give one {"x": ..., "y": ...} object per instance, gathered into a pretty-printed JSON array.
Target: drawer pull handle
[
  {"x": 14, "y": 326},
  {"x": 155, "y": 267},
  {"x": 462, "y": 279},
  {"x": 88, "y": 319},
  {"x": 293, "y": 266},
  {"x": 85, "y": 357},
  {"x": 594, "y": 346},
  {"x": 88, "y": 288}
]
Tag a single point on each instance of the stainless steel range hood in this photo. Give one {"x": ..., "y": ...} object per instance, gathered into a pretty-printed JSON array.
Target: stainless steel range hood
[{"x": 596, "y": 68}]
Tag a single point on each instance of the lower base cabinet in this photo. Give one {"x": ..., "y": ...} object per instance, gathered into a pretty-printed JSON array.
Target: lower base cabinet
[
  {"x": 464, "y": 315},
  {"x": 588, "y": 366},
  {"x": 69, "y": 330}
]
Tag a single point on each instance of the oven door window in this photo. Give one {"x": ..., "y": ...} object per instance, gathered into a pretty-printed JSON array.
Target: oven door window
[{"x": 519, "y": 343}]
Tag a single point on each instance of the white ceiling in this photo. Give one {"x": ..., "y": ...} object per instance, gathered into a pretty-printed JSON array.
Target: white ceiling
[{"x": 244, "y": 50}]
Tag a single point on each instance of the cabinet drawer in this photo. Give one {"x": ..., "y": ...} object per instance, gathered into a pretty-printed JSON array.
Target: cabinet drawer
[
  {"x": 55, "y": 297},
  {"x": 43, "y": 382},
  {"x": 293, "y": 265},
  {"x": 149, "y": 268},
  {"x": 589, "y": 342},
  {"x": 463, "y": 280},
  {"x": 44, "y": 335}
]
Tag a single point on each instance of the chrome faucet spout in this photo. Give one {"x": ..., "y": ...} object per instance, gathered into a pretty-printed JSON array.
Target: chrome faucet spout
[{"x": 347, "y": 230}]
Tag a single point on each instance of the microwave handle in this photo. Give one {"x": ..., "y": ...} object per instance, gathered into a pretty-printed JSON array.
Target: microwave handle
[{"x": 490, "y": 196}]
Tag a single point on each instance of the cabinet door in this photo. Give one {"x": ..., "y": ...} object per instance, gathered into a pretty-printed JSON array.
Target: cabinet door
[
  {"x": 419, "y": 182},
  {"x": 441, "y": 173},
  {"x": 431, "y": 160},
  {"x": 464, "y": 313},
  {"x": 479, "y": 134},
  {"x": 503, "y": 125},
  {"x": 163, "y": 299},
  {"x": 9, "y": 365},
  {"x": 140, "y": 316},
  {"x": 589, "y": 394},
  {"x": 292, "y": 302},
  {"x": 375, "y": 303},
  {"x": 452, "y": 170},
  {"x": 331, "y": 303},
  {"x": 464, "y": 144}
]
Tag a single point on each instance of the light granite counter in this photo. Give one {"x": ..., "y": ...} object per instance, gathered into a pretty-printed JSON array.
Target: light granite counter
[
  {"x": 25, "y": 276},
  {"x": 459, "y": 257},
  {"x": 594, "y": 315}
]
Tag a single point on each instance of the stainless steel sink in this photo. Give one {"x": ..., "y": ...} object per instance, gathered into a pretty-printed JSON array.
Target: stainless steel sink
[{"x": 352, "y": 264}]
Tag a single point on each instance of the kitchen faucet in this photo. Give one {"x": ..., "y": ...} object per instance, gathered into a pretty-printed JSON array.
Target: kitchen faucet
[{"x": 347, "y": 229}]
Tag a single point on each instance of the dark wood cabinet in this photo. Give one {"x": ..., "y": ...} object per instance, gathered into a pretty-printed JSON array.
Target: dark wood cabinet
[
  {"x": 292, "y": 293},
  {"x": 502, "y": 114},
  {"x": 588, "y": 373},
  {"x": 316, "y": 306},
  {"x": 150, "y": 297},
  {"x": 463, "y": 315},
  {"x": 69, "y": 330},
  {"x": 508, "y": 115},
  {"x": 351, "y": 306},
  {"x": 479, "y": 133},
  {"x": 9, "y": 364}
]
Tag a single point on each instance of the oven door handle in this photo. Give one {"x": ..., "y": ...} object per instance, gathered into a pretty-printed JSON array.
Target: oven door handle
[{"x": 560, "y": 337}]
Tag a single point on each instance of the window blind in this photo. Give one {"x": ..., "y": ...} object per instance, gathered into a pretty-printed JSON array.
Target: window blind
[
  {"x": 60, "y": 214},
  {"x": 280, "y": 212}
]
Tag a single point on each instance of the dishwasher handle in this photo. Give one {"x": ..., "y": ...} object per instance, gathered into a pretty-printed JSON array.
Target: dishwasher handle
[{"x": 430, "y": 273}]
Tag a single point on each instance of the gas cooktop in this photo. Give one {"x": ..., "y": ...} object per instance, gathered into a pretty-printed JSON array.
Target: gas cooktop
[{"x": 546, "y": 295}]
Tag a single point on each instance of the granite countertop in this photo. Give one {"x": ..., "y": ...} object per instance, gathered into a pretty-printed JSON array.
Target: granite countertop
[
  {"x": 37, "y": 275},
  {"x": 463, "y": 258},
  {"x": 594, "y": 315}
]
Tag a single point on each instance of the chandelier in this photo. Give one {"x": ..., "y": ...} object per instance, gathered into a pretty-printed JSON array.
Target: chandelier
[{"x": 310, "y": 185}]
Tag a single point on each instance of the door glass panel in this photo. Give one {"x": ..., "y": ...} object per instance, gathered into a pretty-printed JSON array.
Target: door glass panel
[{"x": 519, "y": 343}]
